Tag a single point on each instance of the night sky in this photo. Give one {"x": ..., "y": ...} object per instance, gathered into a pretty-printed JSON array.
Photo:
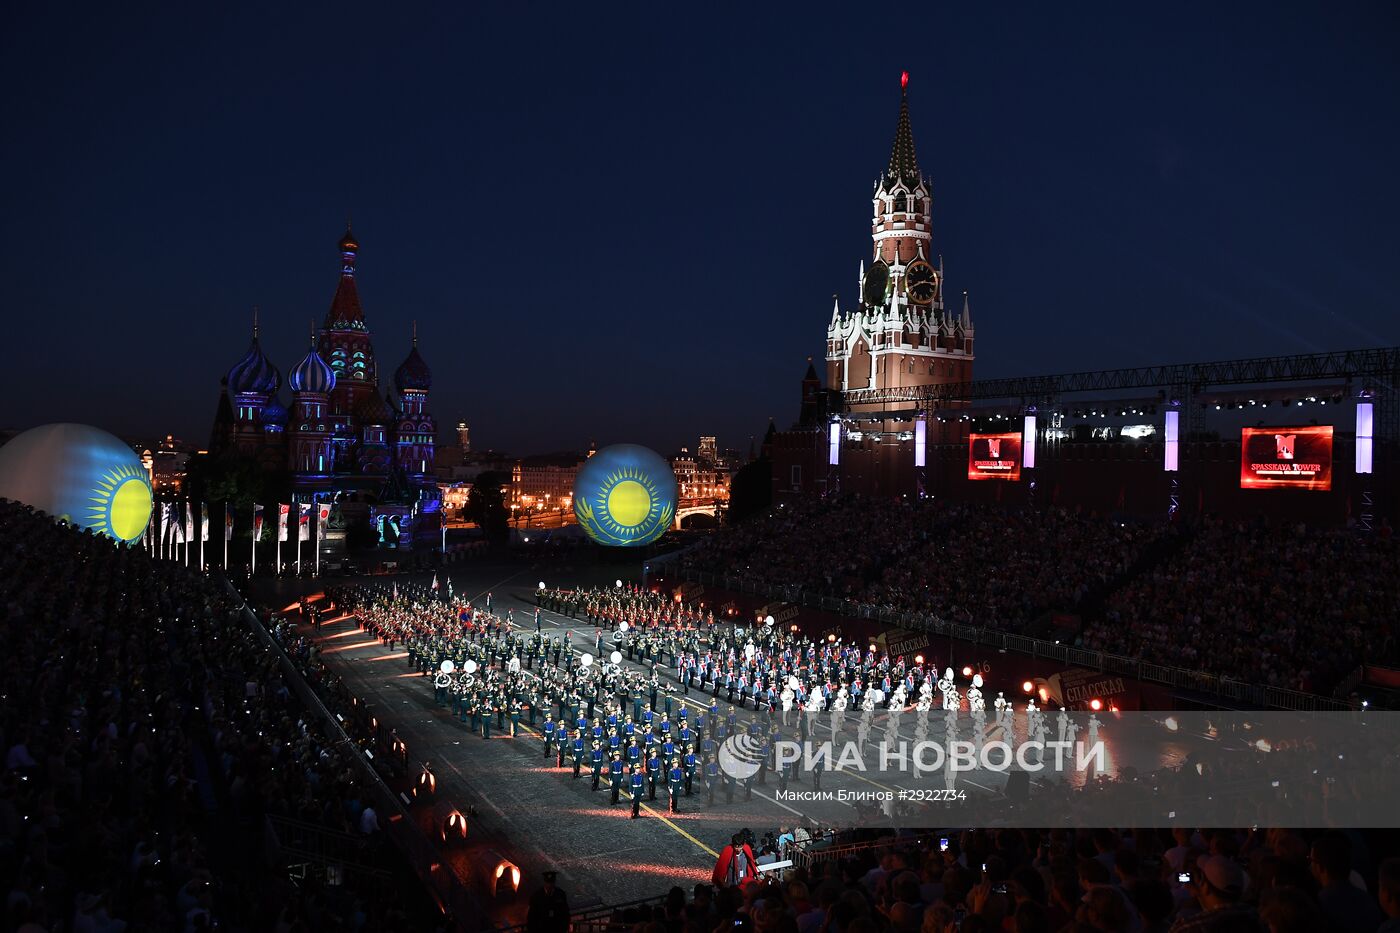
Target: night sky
[{"x": 627, "y": 225}]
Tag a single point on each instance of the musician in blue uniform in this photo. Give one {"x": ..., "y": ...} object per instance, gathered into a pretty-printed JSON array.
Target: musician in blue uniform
[
  {"x": 597, "y": 759},
  {"x": 638, "y": 782},
  {"x": 615, "y": 775},
  {"x": 653, "y": 773},
  {"x": 677, "y": 784},
  {"x": 689, "y": 762},
  {"x": 548, "y": 734},
  {"x": 578, "y": 753}
]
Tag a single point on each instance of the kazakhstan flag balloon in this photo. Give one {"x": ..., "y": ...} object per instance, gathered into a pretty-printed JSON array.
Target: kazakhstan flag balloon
[
  {"x": 80, "y": 474},
  {"x": 625, "y": 496}
]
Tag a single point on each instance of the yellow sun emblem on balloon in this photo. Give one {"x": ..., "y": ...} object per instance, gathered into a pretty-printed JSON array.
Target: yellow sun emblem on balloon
[
  {"x": 121, "y": 503},
  {"x": 626, "y": 508}
]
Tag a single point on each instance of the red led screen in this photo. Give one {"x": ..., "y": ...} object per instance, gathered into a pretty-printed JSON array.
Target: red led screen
[
  {"x": 1293, "y": 457},
  {"x": 994, "y": 456}
]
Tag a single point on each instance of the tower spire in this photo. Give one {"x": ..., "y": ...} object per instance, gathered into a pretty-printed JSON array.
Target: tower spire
[
  {"x": 904, "y": 166},
  {"x": 255, "y": 322},
  {"x": 415, "y": 333}
]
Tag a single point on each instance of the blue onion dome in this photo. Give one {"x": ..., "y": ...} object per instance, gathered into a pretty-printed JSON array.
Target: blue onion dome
[
  {"x": 274, "y": 412},
  {"x": 413, "y": 373},
  {"x": 374, "y": 410},
  {"x": 254, "y": 373},
  {"x": 312, "y": 374}
]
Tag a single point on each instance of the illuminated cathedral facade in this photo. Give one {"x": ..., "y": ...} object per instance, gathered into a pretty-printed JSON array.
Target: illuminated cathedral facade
[{"x": 344, "y": 437}]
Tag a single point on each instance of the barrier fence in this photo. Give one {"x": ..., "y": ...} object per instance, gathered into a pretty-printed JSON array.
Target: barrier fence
[
  {"x": 1180, "y": 678},
  {"x": 811, "y": 853},
  {"x": 601, "y": 918},
  {"x": 301, "y": 848}
]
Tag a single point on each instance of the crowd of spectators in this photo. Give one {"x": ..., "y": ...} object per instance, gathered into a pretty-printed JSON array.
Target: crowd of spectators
[
  {"x": 1006, "y": 569},
  {"x": 1064, "y": 881},
  {"x": 1286, "y": 605},
  {"x": 1260, "y": 602},
  {"x": 835, "y": 548},
  {"x": 968, "y": 563},
  {"x": 147, "y": 736}
]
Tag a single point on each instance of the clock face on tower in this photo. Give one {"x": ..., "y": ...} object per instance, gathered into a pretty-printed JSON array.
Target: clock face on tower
[
  {"x": 922, "y": 282},
  {"x": 877, "y": 278}
]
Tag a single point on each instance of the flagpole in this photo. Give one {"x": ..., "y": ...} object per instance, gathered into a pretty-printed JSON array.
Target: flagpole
[
  {"x": 228, "y": 516},
  {"x": 253, "y": 560},
  {"x": 316, "y": 517},
  {"x": 203, "y": 508},
  {"x": 189, "y": 520}
]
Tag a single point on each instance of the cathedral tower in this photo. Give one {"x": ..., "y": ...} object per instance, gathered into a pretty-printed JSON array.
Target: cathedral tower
[
  {"x": 251, "y": 385},
  {"x": 345, "y": 339},
  {"x": 309, "y": 429},
  {"x": 417, "y": 429}
]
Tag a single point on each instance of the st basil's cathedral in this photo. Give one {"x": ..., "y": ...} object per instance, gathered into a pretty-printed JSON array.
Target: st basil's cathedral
[{"x": 342, "y": 439}]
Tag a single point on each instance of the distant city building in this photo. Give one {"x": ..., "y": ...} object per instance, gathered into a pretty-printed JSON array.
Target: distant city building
[
  {"x": 168, "y": 463},
  {"x": 451, "y": 466},
  {"x": 454, "y": 498},
  {"x": 342, "y": 438},
  {"x": 464, "y": 437},
  {"x": 703, "y": 478},
  {"x": 544, "y": 483}
]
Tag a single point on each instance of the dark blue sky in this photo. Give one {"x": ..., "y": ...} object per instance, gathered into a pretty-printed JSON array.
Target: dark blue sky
[{"x": 628, "y": 224}]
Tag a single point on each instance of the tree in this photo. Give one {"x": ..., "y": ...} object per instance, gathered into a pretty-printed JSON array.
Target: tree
[
  {"x": 360, "y": 535},
  {"x": 236, "y": 479},
  {"x": 751, "y": 490},
  {"x": 486, "y": 506}
]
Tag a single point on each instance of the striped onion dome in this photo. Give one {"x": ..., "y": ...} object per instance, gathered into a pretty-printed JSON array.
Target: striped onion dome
[
  {"x": 254, "y": 373},
  {"x": 312, "y": 374}
]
